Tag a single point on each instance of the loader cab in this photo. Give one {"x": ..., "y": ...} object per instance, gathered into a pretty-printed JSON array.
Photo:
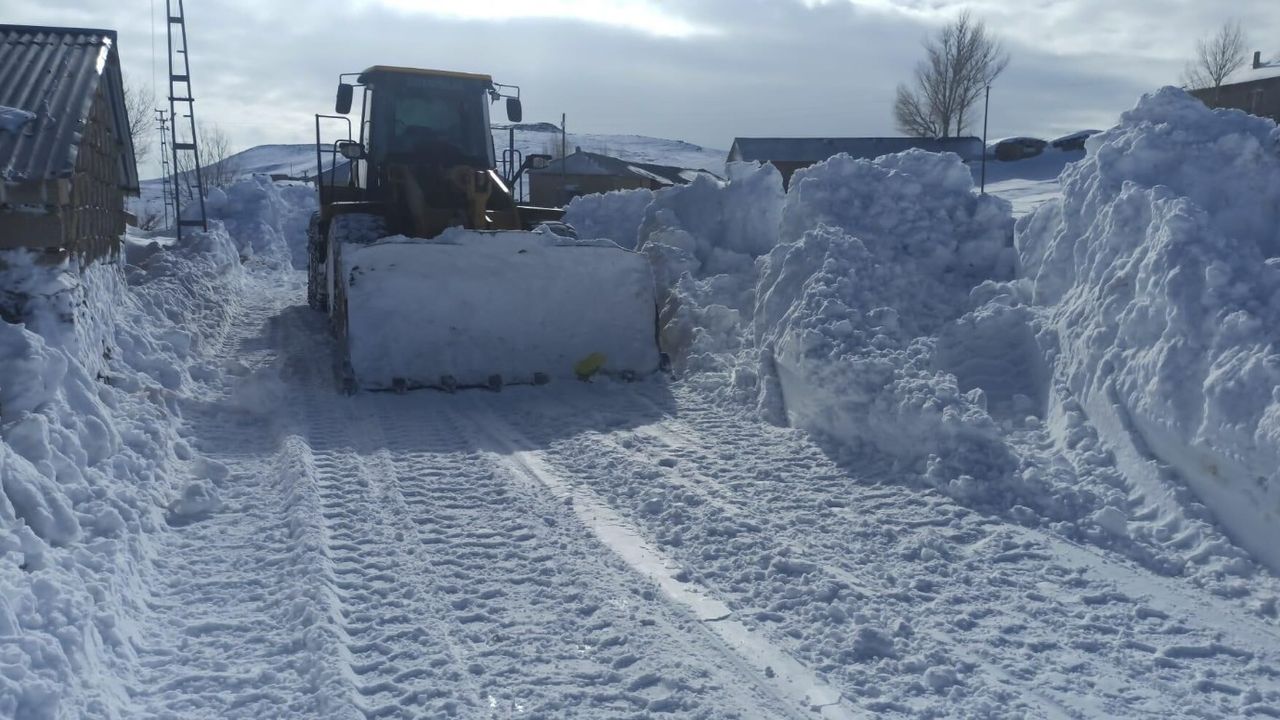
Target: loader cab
[
  {"x": 426, "y": 116},
  {"x": 419, "y": 151}
]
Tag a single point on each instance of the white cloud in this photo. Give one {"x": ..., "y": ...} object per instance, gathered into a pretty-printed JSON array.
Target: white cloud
[
  {"x": 698, "y": 70},
  {"x": 639, "y": 15},
  {"x": 1147, "y": 29}
]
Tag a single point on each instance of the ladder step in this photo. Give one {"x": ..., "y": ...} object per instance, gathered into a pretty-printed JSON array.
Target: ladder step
[
  {"x": 191, "y": 223},
  {"x": 175, "y": 18},
  {"x": 184, "y": 146},
  {"x": 183, "y": 99},
  {"x": 180, "y": 78}
]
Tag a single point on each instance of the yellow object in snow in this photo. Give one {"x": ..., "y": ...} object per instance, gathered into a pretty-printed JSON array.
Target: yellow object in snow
[{"x": 589, "y": 365}]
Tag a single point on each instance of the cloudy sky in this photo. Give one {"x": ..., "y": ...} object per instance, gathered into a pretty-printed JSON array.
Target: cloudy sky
[{"x": 698, "y": 70}]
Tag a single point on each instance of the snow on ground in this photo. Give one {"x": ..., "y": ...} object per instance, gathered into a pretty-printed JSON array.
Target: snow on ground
[
  {"x": 92, "y": 461},
  {"x": 990, "y": 501},
  {"x": 1027, "y": 184},
  {"x": 1160, "y": 266},
  {"x": 893, "y": 326}
]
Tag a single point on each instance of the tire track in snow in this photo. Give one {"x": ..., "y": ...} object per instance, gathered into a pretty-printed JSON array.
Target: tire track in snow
[
  {"x": 399, "y": 661},
  {"x": 975, "y": 588},
  {"x": 541, "y": 623},
  {"x": 460, "y": 594},
  {"x": 234, "y": 598},
  {"x": 1161, "y": 593},
  {"x": 792, "y": 683},
  {"x": 402, "y": 662}
]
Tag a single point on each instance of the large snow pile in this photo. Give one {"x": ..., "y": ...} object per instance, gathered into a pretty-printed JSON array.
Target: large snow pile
[
  {"x": 1160, "y": 266},
  {"x": 265, "y": 218},
  {"x": 883, "y": 306},
  {"x": 876, "y": 258},
  {"x": 822, "y": 302},
  {"x": 614, "y": 215},
  {"x": 93, "y": 366}
]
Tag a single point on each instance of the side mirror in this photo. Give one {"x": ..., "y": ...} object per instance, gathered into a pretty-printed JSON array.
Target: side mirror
[
  {"x": 350, "y": 149},
  {"x": 343, "y": 106},
  {"x": 514, "y": 112},
  {"x": 539, "y": 162}
]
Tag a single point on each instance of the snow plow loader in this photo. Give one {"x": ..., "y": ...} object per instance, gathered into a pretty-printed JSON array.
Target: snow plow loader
[{"x": 431, "y": 272}]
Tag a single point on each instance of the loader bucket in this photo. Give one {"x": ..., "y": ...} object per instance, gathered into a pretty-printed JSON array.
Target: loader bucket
[{"x": 486, "y": 308}]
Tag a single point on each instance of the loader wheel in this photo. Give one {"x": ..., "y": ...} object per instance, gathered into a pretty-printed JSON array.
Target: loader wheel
[
  {"x": 317, "y": 297},
  {"x": 352, "y": 228}
]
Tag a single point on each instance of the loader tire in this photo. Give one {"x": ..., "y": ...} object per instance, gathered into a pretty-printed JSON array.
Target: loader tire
[
  {"x": 349, "y": 229},
  {"x": 317, "y": 297}
]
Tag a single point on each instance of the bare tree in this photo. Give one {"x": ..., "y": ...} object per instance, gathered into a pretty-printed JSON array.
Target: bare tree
[
  {"x": 218, "y": 167},
  {"x": 1217, "y": 56},
  {"x": 139, "y": 103},
  {"x": 216, "y": 155},
  {"x": 961, "y": 60}
]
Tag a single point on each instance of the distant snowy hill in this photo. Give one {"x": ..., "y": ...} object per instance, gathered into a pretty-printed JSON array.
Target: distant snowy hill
[{"x": 298, "y": 159}]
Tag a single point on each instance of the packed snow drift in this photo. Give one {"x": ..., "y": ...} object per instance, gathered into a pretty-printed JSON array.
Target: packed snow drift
[
  {"x": 93, "y": 362},
  {"x": 1162, "y": 268},
  {"x": 885, "y": 306}
]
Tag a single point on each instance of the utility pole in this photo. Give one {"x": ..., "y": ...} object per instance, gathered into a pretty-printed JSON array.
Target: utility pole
[
  {"x": 986, "y": 105},
  {"x": 169, "y": 184},
  {"x": 564, "y": 180},
  {"x": 180, "y": 93}
]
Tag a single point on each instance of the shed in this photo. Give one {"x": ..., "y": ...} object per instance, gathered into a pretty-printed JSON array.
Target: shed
[
  {"x": 584, "y": 173},
  {"x": 791, "y": 154},
  {"x": 1256, "y": 92},
  {"x": 66, "y": 157}
]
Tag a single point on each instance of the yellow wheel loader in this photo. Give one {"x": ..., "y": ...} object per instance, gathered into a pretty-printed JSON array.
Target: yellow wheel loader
[{"x": 433, "y": 275}]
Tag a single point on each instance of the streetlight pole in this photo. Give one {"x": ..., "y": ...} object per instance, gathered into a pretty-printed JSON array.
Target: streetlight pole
[{"x": 986, "y": 105}]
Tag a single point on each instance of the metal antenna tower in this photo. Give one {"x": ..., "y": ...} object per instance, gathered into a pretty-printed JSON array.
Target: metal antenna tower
[
  {"x": 166, "y": 168},
  {"x": 186, "y": 153}
]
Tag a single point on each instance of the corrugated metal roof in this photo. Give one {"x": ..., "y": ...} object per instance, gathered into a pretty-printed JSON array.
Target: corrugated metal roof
[
  {"x": 819, "y": 149},
  {"x": 54, "y": 73}
]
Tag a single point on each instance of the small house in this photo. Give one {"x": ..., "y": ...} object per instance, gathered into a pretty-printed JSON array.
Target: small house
[
  {"x": 1256, "y": 92},
  {"x": 790, "y": 154},
  {"x": 66, "y": 157},
  {"x": 585, "y": 173}
]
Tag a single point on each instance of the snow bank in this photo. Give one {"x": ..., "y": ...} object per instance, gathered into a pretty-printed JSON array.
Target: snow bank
[
  {"x": 876, "y": 258},
  {"x": 94, "y": 365},
  {"x": 709, "y": 227},
  {"x": 1160, "y": 266},
  {"x": 264, "y": 218},
  {"x": 821, "y": 305},
  {"x": 614, "y": 215}
]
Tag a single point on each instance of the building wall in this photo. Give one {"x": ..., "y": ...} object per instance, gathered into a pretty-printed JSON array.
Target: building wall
[
  {"x": 548, "y": 189},
  {"x": 1259, "y": 97},
  {"x": 97, "y": 216},
  {"x": 85, "y": 213}
]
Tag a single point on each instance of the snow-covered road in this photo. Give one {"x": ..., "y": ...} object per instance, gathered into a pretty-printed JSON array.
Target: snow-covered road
[{"x": 613, "y": 550}]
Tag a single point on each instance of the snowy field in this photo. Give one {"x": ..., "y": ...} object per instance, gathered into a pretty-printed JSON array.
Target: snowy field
[{"x": 918, "y": 459}]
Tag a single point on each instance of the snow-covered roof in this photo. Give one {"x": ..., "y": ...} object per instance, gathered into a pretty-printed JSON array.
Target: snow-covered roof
[
  {"x": 53, "y": 74},
  {"x": 819, "y": 149},
  {"x": 582, "y": 162}
]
